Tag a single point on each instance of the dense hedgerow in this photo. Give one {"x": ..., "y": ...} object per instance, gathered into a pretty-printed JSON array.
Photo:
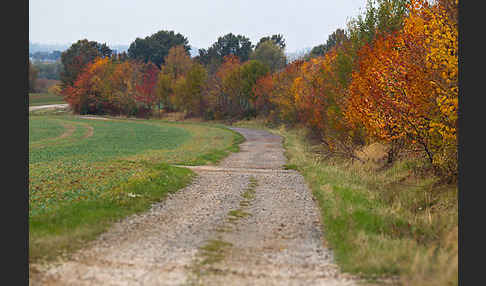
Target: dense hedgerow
[{"x": 390, "y": 77}]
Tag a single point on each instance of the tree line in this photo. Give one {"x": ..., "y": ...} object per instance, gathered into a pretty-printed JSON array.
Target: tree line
[
  {"x": 390, "y": 76},
  {"x": 157, "y": 73},
  {"x": 46, "y": 56}
]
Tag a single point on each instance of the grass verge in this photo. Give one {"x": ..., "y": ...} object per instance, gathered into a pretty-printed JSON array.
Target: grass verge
[
  {"x": 386, "y": 226},
  {"x": 215, "y": 156},
  {"x": 36, "y": 99},
  {"x": 67, "y": 228}
]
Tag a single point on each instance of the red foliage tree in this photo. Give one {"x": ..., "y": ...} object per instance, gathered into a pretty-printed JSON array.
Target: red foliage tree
[{"x": 147, "y": 85}]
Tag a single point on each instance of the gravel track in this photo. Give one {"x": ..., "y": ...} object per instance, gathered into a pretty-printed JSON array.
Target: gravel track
[
  {"x": 63, "y": 105},
  {"x": 277, "y": 240}
]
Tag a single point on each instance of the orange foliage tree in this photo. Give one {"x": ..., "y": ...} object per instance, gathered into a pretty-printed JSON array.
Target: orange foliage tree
[
  {"x": 109, "y": 86},
  {"x": 394, "y": 92},
  {"x": 88, "y": 93},
  {"x": 442, "y": 60},
  {"x": 281, "y": 95},
  {"x": 123, "y": 80},
  {"x": 261, "y": 94},
  {"x": 222, "y": 87},
  {"x": 177, "y": 65},
  {"x": 319, "y": 94}
]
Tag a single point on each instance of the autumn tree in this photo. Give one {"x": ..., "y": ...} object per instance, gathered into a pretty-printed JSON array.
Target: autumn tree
[
  {"x": 319, "y": 97},
  {"x": 262, "y": 89},
  {"x": 49, "y": 70},
  {"x": 219, "y": 93},
  {"x": 164, "y": 90},
  {"x": 441, "y": 34},
  {"x": 270, "y": 54},
  {"x": 337, "y": 38},
  {"x": 406, "y": 85},
  {"x": 381, "y": 95},
  {"x": 78, "y": 56},
  {"x": 106, "y": 86},
  {"x": 189, "y": 91},
  {"x": 318, "y": 50},
  {"x": 146, "y": 87},
  {"x": 233, "y": 87},
  {"x": 281, "y": 94},
  {"x": 250, "y": 73},
  {"x": 33, "y": 72},
  {"x": 178, "y": 62},
  {"x": 180, "y": 93},
  {"x": 232, "y": 90},
  {"x": 380, "y": 16},
  {"x": 229, "y": 44},
  {"x": 277, "y": 39},
  {"x": 88, "y": 93},
  {"x": 155, "y": 48},
  {"x": 124, "y": 78},
  {"x": 54, "y": 89}
]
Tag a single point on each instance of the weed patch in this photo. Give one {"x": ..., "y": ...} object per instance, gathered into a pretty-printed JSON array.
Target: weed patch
[
  {"x": 213, "y": 251},
  {"x": 235, "y": 215}
]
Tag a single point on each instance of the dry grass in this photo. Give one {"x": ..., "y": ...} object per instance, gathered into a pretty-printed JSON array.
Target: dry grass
[
  {"x": 375, "y": 153},
  {"x": 177, "y": 116}
]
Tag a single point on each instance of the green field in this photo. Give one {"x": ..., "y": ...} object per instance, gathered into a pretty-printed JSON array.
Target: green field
[
  {"x": 36, "y": 99},
  {"x": 86, "y": 173}
]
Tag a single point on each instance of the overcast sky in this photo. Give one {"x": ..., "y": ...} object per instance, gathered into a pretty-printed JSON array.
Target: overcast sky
[{"x": 303, "y": 23}]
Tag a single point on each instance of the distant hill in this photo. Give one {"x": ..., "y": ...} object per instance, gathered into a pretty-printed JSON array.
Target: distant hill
[
  {"x": 39, "y": 47},
  {"x": 194, "y": 51},
  {"x": 119, "y": 48},
  {"x": 49, "y": 48},
  {"x": 292, "y": 56}
]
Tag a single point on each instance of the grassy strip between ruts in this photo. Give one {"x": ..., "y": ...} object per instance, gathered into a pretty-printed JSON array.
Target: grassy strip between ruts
[
  {"x": 214, "y": 250},
  {"x": 69, "y": 225},
  {"x": 385, "y": 226}
]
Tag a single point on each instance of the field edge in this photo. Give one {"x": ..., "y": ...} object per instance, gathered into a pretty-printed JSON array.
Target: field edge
[{"x": 53, "y": 237}]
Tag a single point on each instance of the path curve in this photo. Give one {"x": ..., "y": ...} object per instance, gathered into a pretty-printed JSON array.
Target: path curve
[
  {"x": 31, "y": 108},
  {"x": 246, "y": 221}
]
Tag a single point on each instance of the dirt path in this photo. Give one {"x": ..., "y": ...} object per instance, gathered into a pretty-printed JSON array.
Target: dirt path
[
  {"x": 245, "y": 222},
  {"x": 31, "y": 108}
]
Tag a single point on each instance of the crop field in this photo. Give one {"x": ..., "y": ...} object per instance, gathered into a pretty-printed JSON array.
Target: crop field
[
  {"x": 36, "y": 99},
  {"x": 85, "y": 173}
]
